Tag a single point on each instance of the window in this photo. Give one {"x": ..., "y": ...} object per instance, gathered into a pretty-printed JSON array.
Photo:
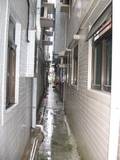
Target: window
[
  {"x": 75, "y": 65},
  {"x": 70, "y": 68},
  {"x": 64, "y": 1},
  {"x": 42, "y": 11},
  {"x": 68, "y": 62},
  {"x": 11, "y": 65},
  {"x": 108, "y": 64},
  {"x": 102, "y": 58},
  {"x": 97, "y": 65},
  {"x": 67, "y": 68}
]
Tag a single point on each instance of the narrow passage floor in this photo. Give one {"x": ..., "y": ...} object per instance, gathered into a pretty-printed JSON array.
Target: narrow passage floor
[{"x": 58, "y": 143}]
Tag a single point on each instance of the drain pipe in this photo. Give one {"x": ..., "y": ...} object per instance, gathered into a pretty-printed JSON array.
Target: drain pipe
[
  {"x": 34, "y": 147},
  {"x": 34, "y": 102},
  {"x": 31, "y": 154},
  {"x": 28, "y": 3},
  {"x": 36, "y": 142}
]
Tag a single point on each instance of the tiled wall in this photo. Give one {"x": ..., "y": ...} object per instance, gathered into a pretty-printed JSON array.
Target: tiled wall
[
  {"x": 88, "y": 110},
  {"x": 15, "y": 132},
  {"x": 15, "y": 121}
]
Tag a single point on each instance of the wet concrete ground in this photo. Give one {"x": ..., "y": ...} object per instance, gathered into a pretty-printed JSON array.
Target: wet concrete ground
[{"x": 58, "y": 143}]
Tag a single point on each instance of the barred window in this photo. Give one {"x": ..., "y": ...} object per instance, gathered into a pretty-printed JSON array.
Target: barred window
[
  {"x": 102, "y": 58},
  {"x": 75, "y": 65}
]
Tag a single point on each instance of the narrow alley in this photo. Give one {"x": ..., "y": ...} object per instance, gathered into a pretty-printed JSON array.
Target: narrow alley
[
  {"x": 59, "y": 80},
  {"x": 59, "y": 143}
]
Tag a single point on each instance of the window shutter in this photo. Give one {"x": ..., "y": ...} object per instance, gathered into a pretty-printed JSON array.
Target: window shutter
[{"x": 105, "y": 16}]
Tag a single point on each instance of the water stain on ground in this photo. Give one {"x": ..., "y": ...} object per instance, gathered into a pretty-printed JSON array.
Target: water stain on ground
[{"x": 58, "y": 143}]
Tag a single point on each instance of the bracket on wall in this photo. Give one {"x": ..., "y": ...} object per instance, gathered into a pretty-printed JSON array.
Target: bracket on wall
[
  {"x": 76, "y": 37},
  {"x": 68, "y": 50}
]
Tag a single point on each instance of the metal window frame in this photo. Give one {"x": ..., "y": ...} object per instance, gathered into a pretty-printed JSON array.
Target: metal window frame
[{"x": 103, "y": 86}]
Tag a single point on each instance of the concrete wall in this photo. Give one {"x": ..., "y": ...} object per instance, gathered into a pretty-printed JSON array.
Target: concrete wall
[
  {"x": 15, "y": 122},
  {"x": 88, "y": 110},
  {"x": 15, "y": 132}
]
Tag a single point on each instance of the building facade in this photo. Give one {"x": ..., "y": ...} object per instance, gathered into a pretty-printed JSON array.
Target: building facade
[
  {"x": 87, "y": 107},
  {"x": 21, "y": 72},
  {"x": 88, "y": 98}
]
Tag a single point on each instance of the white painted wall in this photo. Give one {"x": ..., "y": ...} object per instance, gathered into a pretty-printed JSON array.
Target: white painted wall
[{"x": 15, "y": 122}]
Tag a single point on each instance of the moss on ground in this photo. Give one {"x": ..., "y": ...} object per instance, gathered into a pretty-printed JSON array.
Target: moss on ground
[{"x": 67, "y": 147}]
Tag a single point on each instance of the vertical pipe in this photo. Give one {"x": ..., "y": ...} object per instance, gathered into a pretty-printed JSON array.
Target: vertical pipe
[
  {"x": 28, "y": 3},
  {"x": 34, "y": 102}
]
